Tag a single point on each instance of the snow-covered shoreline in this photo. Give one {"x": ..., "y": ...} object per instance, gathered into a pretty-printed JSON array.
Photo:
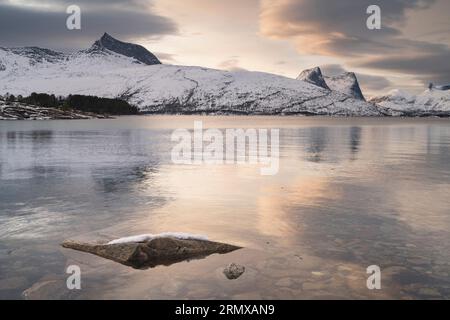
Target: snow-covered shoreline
[{"x": 20, "y": 111}]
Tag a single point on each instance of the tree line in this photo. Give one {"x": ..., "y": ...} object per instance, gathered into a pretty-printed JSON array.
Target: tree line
[{"x": 77, "y": 102}]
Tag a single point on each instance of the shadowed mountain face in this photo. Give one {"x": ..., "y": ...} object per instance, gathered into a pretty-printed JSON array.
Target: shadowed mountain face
[
  {"x": 346, "y": 83},
  {"x": 127, "y": 49},
  {"x": 313, "y": 76}
]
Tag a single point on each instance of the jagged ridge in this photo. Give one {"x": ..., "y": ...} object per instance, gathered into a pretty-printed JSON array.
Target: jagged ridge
[
  {"x": 313, "y": 76},
  {"x": 106, "y": 42},
  {"x": 345, "y": 83}
]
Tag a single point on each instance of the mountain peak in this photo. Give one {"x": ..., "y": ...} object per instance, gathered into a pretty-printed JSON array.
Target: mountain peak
[
  {"x": 107, "y": 42},
  {"x": 106, "y": 36},
  {"x": 313, "y": 76},
  {"x": 346, "y": 83}
]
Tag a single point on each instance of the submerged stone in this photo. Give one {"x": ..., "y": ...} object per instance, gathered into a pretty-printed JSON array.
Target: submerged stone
[
  {"x": 233, "y": 271},
  {"x": 152, "y": 253}
]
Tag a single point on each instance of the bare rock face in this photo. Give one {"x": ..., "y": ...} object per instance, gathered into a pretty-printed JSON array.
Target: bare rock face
[
  {"x": 346, "y": 83},
  {"x": 149, "y": 254},
  {"x": 233, "y": 271},
  {"x": 313, "y": 76},
  {"x": 127, "y": 49}
]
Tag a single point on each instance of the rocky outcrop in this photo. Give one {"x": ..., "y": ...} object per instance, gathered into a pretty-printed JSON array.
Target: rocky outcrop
[
  {"x": 346, "y": 83},
  {"x": 152, "y": 253},
  {"x": 126, "y": 49},
  {"x": 313, "y": 76},
  {"x": 19, "y": 111}
]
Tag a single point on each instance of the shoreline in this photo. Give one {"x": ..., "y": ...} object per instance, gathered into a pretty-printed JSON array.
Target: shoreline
[
  {"x": 14, "y": 111},
  {"x": 77, "y": 115}
]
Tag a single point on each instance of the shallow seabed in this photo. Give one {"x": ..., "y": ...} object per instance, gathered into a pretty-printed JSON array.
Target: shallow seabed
[{"x": 350, "y": 193}]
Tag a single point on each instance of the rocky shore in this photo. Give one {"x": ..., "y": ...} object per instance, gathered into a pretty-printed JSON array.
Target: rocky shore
[{"x": 20, "y": 111}]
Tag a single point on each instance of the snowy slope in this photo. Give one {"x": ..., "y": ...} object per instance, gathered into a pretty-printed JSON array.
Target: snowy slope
[
  {"x": 168, "y": 88},
  {"x": 400, "y": 103}
]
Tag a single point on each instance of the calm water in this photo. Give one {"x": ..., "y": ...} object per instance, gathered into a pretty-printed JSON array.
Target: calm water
[{"x": 349, "y": 193}]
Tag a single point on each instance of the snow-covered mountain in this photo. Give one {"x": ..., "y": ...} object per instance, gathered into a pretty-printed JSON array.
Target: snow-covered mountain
[
  {"x": 111, "y": 68},
  {"x": 432, "y": 102}
]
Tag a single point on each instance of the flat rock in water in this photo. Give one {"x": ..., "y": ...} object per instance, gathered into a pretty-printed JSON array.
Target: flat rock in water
[{"x": 152, "y": 253}]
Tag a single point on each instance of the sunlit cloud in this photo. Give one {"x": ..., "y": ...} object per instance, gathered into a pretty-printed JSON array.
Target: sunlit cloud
[
  {"x": 338, "y": 29},
  {"x": 282, "y": 36}
]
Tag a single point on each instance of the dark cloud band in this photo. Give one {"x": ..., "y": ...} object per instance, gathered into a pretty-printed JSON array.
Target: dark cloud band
[{"x": 25, "y": 26}]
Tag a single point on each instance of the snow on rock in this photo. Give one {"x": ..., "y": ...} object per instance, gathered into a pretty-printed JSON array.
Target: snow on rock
[
  {"x": 22, "y": 111},
  {"x": 154, "y": 252},
  {"x": 149, "y": 237}
]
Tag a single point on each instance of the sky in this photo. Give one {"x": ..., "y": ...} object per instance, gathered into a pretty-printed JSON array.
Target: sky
[{"x": 411, "y": 49}]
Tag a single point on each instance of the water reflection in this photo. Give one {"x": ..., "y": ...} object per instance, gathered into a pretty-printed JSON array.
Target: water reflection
[
  {"x": 355, "y": 137},
  {"x": 350, "y": 193},
  {"x": 317, "y": 141}
]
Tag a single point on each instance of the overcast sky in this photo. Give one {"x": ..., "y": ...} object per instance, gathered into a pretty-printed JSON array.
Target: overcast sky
[{"x": 278, "y": 36}]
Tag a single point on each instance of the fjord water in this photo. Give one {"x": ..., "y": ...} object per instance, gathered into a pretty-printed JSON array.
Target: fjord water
[{"x": 350, "y": 193}]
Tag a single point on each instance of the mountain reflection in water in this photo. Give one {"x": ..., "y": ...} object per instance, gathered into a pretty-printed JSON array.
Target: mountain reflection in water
[{"x": 350, "y": 193}]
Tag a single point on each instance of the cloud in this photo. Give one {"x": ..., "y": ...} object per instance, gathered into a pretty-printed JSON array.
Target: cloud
[
  {"x": 231, "y": 65},
  {"x": 338, "y": 28},
  {"x": 427, "y": 67},
  {"x": 330, "y": 26},
  {"x": 166, "y": 57},
  {"x": 43, "y": 23},
  {"x": 367, "y": 81}
]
